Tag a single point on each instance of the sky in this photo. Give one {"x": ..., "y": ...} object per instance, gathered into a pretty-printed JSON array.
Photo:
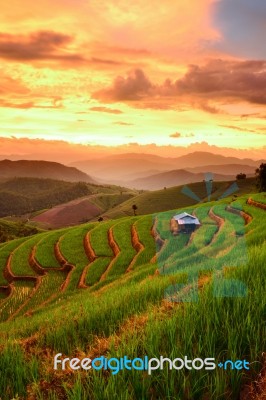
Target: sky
[{"x": 103, "y": 76}]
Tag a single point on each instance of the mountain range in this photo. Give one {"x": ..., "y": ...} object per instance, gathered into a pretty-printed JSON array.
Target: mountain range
[
  {"x": 42, "y": 169},
  {"x": 144, "y": 171},
  {"x": 138, "y": 171}
]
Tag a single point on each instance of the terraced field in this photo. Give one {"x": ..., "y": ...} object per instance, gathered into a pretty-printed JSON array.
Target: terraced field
[{"x": 115, "y": 288}]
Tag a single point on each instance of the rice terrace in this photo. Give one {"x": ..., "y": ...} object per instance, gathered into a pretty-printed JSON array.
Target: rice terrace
[{"x": 129, "y": 286}]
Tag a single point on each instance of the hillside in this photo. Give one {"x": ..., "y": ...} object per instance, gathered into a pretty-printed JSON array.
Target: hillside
[
  {"x": 81, "y": 210},
  {"x": 11, "y": 230},
  {"x": 19, "y": 196},
  {"x": 170, "y": 198},
  {"x": 127, "y": 289},
  {"x": 42, "y": 169}
]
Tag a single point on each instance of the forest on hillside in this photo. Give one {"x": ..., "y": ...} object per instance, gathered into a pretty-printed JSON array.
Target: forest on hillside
[{"x": 19, "y": 196}]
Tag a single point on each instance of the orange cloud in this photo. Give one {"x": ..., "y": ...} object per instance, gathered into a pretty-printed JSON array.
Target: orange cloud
[
  {"x": 238, "y": 128},
  {"x": 36, "y": 46},
  {"x": 134, "y": 87},
  {"x": 106, "y": 110},
  {"x": 122, "y": 123},
  {"x": 217, "y": 80},
  {"x": 62, "y": 151},
  {"x": 177, "y": 135}
]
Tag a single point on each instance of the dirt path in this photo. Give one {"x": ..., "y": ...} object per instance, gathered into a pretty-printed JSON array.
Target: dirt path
[
  {"x": 116, "y": 251},
  {"x": 247, "y": 217},
  {"x": 10, "y": 277},
  {"x": 88, "y": 248},
  {"x": 158, "y": 241},
  {"x": 220, "y": 222},
  {"x": 90, "y": 253},
  {"x": 34, "y": 263},
  {"x": 138, "y": 246},
  {"x": 256, "y": 204},
  {"x": 66, "y": 266}
]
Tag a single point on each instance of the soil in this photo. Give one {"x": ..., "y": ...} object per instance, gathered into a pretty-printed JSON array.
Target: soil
[{"x": 72, "y": 213}]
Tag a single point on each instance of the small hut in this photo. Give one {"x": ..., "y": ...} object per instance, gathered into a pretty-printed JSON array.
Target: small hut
[{"x": 184, "y": 223}]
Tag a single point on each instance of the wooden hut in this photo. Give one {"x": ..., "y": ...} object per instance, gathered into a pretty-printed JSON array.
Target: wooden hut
[{"x": 184, "y": 223}]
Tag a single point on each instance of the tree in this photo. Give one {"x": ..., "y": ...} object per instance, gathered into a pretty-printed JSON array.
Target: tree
[
  {"x": 241, "y": 176},
  {"x": 261, "y": 177},
  {"x": 134, "y": 208}
]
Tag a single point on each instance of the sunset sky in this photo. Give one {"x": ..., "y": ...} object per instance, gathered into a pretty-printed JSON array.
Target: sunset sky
[{"x": 190, "y": 74}]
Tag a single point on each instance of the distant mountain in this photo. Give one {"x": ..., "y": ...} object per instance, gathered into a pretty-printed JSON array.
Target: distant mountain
[
  {"x": 119, "y": 167},
  {"x": 230, "y": 169},
  {"x": 42, "y": 169},
  {"x": 201, "y": 158},
  {"x": 173, "y": 178},
  {"x": 126, "y": 167}
]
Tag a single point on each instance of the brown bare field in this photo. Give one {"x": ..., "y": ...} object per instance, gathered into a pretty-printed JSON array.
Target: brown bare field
[{"x": 71, "y": 213}]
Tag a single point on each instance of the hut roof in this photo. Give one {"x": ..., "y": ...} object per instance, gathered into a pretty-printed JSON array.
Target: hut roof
[{"x": 185, "y": 218}]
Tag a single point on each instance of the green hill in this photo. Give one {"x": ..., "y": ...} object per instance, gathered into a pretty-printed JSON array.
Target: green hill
[
  {"x": 19, "y": 196},
  {"x": 170, "y": 198},
  {"x": 120, "y": 288},
  {"x": 11, "y": 230}
]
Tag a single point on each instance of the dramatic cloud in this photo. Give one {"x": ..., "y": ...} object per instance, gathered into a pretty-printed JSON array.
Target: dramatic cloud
[
  {"x": 135, "y": 86},
  {"x": 218, "y": 80},
  {"x": 36, "y": 46},
  {"x": 106, "y": 110},
  {"x": 221, "y": 79},
  {"x": 182, "y": 66}
]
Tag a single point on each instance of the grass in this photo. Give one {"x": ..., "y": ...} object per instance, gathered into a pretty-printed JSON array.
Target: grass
[
  {"x": 173, "y": 198},
  {"x": 122, "y": 236},
  {"x": 21, "y": 291},
  {"x": 45, "y": 254},
  {"x": 96, "y": 270},
  {"x": 260, "y": 197},
  {"x": 20, "y": 259},
  {"x": 99, "y": 239},
  {"x": 106, "y": 201},
  {"x": 202, "y": 237},
  {"x": 4, "y": 254},
  {"x": 143, "y": 227},
  {"x": 226, "y": 248},
  {"x": 72, "y": 248},
  {"x": 50, "y": 286},
  {"x": 128, "y": 314}
]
